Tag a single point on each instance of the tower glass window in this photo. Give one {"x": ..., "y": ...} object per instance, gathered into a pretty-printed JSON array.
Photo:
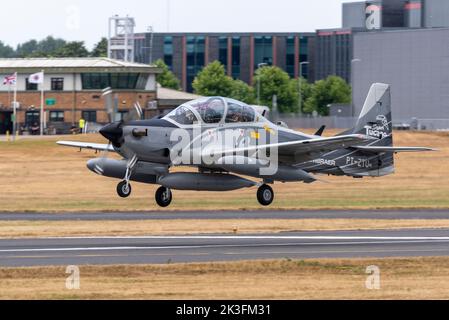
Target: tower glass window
[
  {"x": 195, "y": 58},
  {"x": 99, "y": 81},
  {"x": 263, "y": 50}
]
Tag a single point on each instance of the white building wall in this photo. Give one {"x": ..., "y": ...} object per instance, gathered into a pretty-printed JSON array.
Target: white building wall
[{"x": 21, "y": 82}]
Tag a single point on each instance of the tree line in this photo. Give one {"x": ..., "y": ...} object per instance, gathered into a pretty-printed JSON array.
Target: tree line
[
  {"x": 53, "y": 47},
  {"x": 268, "y": 81}
]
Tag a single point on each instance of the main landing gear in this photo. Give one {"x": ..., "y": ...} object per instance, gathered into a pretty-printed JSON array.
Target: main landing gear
[
  {"x": 164, "y": 197},
  {"x": 265, "y": 195}
]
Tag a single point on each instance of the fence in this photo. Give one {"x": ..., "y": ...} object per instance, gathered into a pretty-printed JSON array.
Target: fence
[{"x": 317, "y": 122}]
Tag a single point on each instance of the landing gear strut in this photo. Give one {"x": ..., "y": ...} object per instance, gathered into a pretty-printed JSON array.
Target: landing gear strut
[
  {"x": 164, "y": 197},
  {"x": 265, "y": 195},
  {"x": 124, "y": 189}
]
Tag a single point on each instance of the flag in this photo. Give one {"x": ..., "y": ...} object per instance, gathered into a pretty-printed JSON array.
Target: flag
[
  {"x": 36, "y": 78},
  {"x": 10, "y": 80}
]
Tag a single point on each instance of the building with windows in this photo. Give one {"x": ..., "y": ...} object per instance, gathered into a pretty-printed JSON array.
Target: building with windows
[
  {"x": 334, "y": 53},
  {"x": 73, "y": 90},
  {"x": 241, "y": 53}
]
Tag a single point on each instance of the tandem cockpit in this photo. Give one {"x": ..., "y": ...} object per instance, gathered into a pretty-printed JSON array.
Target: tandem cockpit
[{"x": 214, "y": 111}]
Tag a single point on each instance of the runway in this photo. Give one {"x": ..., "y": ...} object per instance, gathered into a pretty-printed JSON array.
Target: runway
[
  {"x": 228, "y": 215},
  {"x": 209, "y": 248}
]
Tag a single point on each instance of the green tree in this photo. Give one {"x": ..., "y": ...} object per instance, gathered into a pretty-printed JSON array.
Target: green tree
[
  {"x": 274, "y": 81},
  {"x": 26, "y": 49},
  {"x": 44, "y": 48},
  {"x": 6, "y": 51},
  {"x": 72, "y": 49},
  {"x": 243, "y": 92},
  {"x": 167, "y": 79},
  {"x": 50, "y": 45},
  {"x": 213, "y": 81},
  {"x": 100, "y": 49},
  {"x": 328, "y": 91}
]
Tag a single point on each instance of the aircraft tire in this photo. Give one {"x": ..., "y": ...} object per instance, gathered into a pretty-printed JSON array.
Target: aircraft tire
[
  {"x": 164, "y": 197},
  {"x": 265, "y": 195},
  {"x": 122, "y": 191}
]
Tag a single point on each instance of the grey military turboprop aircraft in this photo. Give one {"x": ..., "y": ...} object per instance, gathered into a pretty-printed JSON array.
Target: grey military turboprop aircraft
[{"x": 225, "y": 139}]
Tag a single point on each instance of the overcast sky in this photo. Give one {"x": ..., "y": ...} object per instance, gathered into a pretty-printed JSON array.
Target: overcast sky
[{"x": 87, "y": 19}]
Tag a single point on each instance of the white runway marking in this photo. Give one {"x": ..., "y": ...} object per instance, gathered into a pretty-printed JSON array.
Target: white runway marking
[{"x": 376, "y": 241}]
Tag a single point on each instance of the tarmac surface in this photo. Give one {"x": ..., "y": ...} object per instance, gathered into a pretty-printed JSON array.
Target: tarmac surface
[
  {"x": 227, "y": 215},
  {"x": 211, "y": 248}
]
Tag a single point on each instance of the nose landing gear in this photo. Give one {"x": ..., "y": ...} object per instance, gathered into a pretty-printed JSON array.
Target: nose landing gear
[{"x": 124, "y": 189}]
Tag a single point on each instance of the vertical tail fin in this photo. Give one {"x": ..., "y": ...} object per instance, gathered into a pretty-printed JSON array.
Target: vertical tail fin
[
  {"x": 375, "y": 118},
  {"x": 375, "y": 121}
]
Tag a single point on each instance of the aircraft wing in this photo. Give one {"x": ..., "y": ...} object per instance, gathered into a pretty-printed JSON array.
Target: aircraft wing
[
  {"x": 86, "y": 145},
  {"x": 393, "y": 149},
  {"x": 294, "y": 148}
]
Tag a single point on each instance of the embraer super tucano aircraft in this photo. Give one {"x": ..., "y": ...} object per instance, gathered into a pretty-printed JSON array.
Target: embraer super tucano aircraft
[{"x": 225, "y": 139}]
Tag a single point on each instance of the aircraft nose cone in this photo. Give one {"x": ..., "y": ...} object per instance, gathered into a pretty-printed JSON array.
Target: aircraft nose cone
[{"x": 113, "y": 132}]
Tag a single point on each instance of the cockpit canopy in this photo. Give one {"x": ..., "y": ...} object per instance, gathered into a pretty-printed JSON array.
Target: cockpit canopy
[{"x": 214, "y": 110}]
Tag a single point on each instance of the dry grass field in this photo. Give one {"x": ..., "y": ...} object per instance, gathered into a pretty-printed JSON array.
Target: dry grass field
[
  {"x": 38, "y": 175},
  {"x": 414, "y": 278},
  {"x": 37, "y": 229}
]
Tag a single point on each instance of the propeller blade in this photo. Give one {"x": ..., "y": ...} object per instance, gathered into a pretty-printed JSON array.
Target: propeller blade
[
  {"x": 135, "y": 114},
  {"x": 109, "y": 103}
]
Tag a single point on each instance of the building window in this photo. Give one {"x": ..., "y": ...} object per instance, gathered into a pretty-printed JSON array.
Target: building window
[
  {"x": 304, "y": 56},
  {"x": 99, "y": 81},
  {"x": 195, "y": 58},
  {"x": 223, "y": 51},
  {"x": 121, "y": 115},
  {"x": 236, "y": 57},
  {"x": 290, "y": 57},
  {"x": 168, "y": 52},
  {"x": 30, "y": 86},
  {"x": 89, "y": 116},
  {"x": 57, "y": 84},
  {"x": 263, "y": 51},
  {"x": 32, "y": 118},
  {"x": 56, "y": 116}
]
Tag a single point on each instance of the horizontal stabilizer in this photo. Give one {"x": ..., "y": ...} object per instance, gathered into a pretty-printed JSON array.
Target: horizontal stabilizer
[
  {"x": 393, "y": 149},
  {"x": 320, "y": 131}
]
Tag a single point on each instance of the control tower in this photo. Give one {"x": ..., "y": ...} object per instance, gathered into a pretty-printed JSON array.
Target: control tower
[{"x": 121, "y": 38}]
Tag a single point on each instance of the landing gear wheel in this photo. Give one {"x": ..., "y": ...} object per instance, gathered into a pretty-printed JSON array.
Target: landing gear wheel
[
  {"x": 123, "y": 190},
  {"x": 265, "y": 195},
  {"x": 164, "y": 197}
]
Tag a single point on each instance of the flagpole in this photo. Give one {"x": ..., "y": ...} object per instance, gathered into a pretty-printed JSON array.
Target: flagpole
[
  {"x": 42, "y": 103},
  {"x": 15, "y": 109}
]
